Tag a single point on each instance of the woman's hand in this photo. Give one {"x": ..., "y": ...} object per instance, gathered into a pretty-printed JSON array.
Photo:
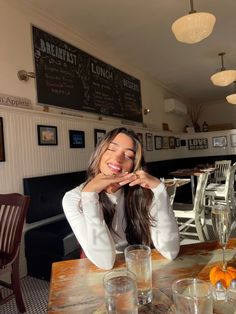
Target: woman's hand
[
  {"x": 110, "y": 183},
  {"x": 143, "y": 179}
]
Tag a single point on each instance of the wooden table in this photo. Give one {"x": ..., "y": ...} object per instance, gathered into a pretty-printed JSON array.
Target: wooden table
[
  {"x": 176, "y": 181},
  {"x": 76, "y": 285}
]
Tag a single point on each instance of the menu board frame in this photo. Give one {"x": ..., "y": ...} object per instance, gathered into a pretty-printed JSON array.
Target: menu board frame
[{"x": 70, "y": 78}]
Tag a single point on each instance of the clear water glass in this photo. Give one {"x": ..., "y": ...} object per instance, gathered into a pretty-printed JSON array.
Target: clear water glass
[
  {"x": 120, "y": 292},
  {"x": 193, "y": 296},
  {"x": 138, "y": 260}
]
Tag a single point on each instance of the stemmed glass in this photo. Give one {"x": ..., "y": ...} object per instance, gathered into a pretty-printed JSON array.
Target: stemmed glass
[{"x": 222, "y": 226}]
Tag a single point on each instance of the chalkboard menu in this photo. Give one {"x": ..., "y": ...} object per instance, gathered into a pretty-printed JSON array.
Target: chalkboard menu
[{"x": 70, "y": 78}]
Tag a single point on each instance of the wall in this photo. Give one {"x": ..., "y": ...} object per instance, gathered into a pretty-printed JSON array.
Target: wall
[
  {"x": 219, "y": 112},
  {"x": 25, "y": 158}
]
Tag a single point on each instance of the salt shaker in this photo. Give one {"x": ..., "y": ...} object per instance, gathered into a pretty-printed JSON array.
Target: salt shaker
[
  {"x": 219, "y": 291},
  {"x": 231, "y": 291}
]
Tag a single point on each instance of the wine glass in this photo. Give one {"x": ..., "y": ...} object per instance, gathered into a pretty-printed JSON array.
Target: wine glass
[{"x": 222, "y": 226}]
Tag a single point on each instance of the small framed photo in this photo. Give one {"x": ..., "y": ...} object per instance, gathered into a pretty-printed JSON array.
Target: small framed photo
[
  {"x": 219, "y": 141},
  {"x": 165, "y": 142},
  {"x": 158, "y": 142},
  {"x": 77, "y": 139},
  {"x": 177, "y": 142},
  {"x": 233, "y": 140},
  {"x": 47, "y": 135},
  {"x": 165, "y": 127},
  {"x": 2, "y": 149},
  {"x": 98, "y": 135},
  {"x": 149, "y": 141},
  {"x": 171, "y": 142},
  {"x": 183, "y": 143}
]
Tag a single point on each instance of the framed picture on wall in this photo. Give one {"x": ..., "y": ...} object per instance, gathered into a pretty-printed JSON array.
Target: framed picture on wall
[
  {"x": 165, "y": 127},
  {"x": 158, "y": 142},
  {"x": 177, "y": 142},
  {"x": 98, "y": 135},
  {"x": 171, "y": 142},
  {"x": 219, "y": 141},
  {"x": 77, "y": 139},
  {"x": 183, "y": 143},
  {"x": 233, "y": 140},
  {"x": 165, "y": 142},
  {"x": 149, "y": 141},
  {"x": 2, "y": 149},
  {"x": 47, "y": 135}
]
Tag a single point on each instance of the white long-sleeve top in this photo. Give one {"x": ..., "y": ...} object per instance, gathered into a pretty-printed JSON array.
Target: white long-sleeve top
[{"x": 84, "y": 214}]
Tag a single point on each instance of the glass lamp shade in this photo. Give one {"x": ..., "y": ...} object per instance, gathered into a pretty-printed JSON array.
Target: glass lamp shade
[
  {"x": 231, "y": 99},
  {"x": 193, "y": 27},
  {"x": 224, "y": 78}
]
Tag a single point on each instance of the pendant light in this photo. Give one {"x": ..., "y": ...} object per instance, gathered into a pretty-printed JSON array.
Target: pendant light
[
  {"x": 232, "y": 98},
  {"x": 194, "y": 26},
  {"x": 223, "y": 77}
]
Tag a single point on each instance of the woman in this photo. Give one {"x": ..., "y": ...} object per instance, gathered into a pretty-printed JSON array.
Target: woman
[{"x": 120, "y": 203}]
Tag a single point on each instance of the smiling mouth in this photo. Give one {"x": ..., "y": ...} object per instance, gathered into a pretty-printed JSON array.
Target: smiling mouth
[{"x": 114, "y": 168}]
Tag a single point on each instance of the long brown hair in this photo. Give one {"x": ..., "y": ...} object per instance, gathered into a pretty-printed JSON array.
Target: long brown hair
[{"x": 137, "y": 199}]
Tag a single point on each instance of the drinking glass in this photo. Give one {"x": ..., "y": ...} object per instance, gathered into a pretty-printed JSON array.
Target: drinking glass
[
  {"x": 138, "y": 260},
  {"x": 193, "y": 296},
  {"x": 120, "y": 292},
  {"x": 222, "y": 222}
]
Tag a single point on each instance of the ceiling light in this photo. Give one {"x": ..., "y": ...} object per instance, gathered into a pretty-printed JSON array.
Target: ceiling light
[
  {"x": 232, "y": 98},
  {"x": 224, "y": 77},
  {"x": 194, "y": 26}
]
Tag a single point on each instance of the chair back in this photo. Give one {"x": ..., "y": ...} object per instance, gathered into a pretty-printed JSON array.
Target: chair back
[
  {"x": 231, "y": 194},
  {"x": 222, "y": 168},
  {"x": 199, "y": 200},
  {"x": 13, "y": 208}
]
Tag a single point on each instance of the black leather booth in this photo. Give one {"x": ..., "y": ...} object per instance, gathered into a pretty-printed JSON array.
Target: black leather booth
[{"x": 52, "y": 241}]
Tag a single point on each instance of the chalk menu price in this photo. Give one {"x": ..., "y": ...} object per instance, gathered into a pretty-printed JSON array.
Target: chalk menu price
[{"x": 70, "y": 78}]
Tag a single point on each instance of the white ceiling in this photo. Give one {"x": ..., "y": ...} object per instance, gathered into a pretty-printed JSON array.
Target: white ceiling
[{"x": 138, "y": 32}]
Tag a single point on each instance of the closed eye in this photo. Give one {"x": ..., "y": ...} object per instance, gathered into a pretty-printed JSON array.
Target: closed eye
[{"x": 129, "y": 157}]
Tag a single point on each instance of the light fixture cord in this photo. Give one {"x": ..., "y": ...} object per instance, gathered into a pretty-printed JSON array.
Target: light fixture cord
[
  {"x": 222, "y": 60},
  {"x": 192, "y": 8}
]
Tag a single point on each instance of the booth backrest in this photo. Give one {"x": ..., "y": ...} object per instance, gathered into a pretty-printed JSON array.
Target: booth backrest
[{"x": 46, "y": 193}]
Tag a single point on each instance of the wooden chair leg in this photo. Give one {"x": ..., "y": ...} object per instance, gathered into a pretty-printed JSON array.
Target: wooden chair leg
[{"x": 15, "y": 279}]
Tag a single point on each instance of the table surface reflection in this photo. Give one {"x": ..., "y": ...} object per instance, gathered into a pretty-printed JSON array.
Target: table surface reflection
[{"x": 76, "y": 285}]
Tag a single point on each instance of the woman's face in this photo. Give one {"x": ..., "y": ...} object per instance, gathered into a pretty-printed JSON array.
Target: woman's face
[{"x": 119, "y": 156}]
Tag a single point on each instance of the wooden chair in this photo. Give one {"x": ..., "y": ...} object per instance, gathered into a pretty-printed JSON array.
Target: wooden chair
[
  {"x": 222, "y": 168},
  {"x": 13, "y": 208},
  {"x": 193, "y": 216},
  {"x": 223, "y": 192}
]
